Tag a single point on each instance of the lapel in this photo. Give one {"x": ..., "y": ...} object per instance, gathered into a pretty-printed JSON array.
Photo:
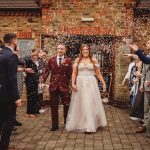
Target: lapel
[
  {"x": 55, "y": 62},
  {"x": 147, "y": 68}
]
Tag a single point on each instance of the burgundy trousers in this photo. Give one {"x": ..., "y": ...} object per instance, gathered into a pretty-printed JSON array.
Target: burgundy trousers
[{"x": 59, "y": 97}]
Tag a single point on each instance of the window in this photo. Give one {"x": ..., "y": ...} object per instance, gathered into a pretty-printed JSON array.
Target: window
[{"x": 25, "y": 46}]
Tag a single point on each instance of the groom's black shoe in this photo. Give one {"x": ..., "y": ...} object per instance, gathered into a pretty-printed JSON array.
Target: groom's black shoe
[{"x": 54, "y": 128}]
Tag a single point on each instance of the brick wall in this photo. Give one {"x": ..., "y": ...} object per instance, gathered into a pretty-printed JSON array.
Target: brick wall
[
  {"x": 141, "y": 32},
  {"x": 110, "y": 17},
  {"x": 22, "y": 27},
  {"x": 113, "y": 18}
]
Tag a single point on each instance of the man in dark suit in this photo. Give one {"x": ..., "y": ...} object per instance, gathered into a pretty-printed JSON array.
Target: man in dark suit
[
  {"x": 60, "y": 67},
  {"x": 9, "y": 97}
]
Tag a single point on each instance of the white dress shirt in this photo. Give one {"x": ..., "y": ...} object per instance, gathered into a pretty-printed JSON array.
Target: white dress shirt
[{"x": 58, "y": 59}]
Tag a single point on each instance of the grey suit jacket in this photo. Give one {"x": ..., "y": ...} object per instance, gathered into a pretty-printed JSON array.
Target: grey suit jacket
[{"x": 145, "y": 76}]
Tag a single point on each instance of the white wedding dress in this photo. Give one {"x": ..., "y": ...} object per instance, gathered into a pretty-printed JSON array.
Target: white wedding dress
[{"x": 86, "y": 112}]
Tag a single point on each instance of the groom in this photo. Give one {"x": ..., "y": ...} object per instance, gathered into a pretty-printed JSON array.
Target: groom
[{"x": 60, "y": 67}]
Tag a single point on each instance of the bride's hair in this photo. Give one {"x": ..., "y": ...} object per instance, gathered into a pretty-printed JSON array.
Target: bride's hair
[
  {"x": 81, "y": 49},
  {"x": 78, "y": 60}
]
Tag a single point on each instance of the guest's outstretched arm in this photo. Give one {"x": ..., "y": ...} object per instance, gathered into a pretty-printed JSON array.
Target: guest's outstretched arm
[
  {"x": 144, "y": 59},
  {"x": 135, "y": 49}
]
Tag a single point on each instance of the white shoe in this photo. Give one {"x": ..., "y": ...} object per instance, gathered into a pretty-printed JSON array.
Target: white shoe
[
  {"x": 135, "y": 119},
  {"x": 105, "y": 100},
  {"x": 42, "y": 111}
]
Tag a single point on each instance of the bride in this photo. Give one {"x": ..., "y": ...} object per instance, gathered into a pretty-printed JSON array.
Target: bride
[{"x": 86, "y": 111}]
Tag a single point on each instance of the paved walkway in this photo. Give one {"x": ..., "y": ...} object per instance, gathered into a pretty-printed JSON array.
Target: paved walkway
[{"x": 119, "y": 134}]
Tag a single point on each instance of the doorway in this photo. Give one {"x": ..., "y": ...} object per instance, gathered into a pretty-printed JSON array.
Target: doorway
[{"x": 102, "y": 48}]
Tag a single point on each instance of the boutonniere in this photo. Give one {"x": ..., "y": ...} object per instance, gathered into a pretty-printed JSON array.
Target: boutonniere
[{"x": 63, "y": 61}]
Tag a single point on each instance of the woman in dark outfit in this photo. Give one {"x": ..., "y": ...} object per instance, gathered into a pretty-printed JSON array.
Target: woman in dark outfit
[{"x": 32, "y": 81}]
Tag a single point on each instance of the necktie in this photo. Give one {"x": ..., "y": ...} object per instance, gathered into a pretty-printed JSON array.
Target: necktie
[{"x": 60, "y": 59}]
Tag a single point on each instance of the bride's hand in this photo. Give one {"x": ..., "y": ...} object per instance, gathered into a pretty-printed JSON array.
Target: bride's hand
[
  {"x": 74, "y": 87},
  {"x": 104, "y": 88}
]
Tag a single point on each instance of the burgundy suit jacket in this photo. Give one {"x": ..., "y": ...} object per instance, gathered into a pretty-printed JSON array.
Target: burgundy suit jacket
[{"x": 60, "y": 75}]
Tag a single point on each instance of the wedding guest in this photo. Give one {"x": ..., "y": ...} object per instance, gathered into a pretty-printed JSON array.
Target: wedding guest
[
  {"x": 146, "y": 88},
  {"x": 32, "y": 81},
  {"x": 9, "y": 97}
]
